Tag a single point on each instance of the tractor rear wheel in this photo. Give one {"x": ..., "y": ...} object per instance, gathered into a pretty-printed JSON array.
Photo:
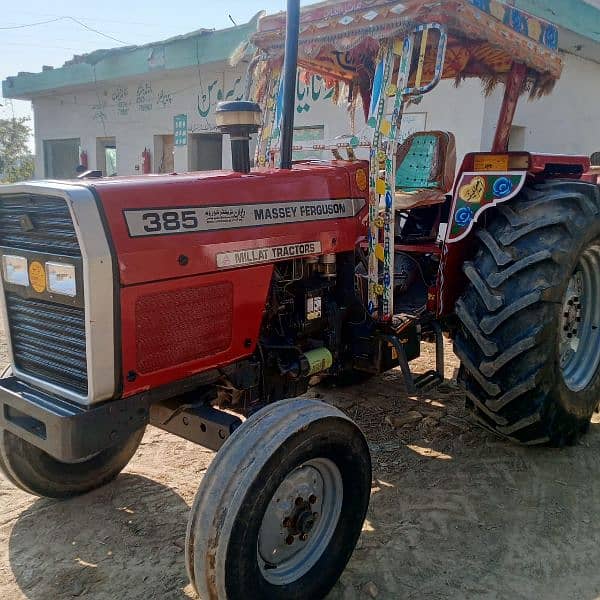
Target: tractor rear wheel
[
  {"x": 36, "y": 472},
  {"x": 529, "y": 319},
  {"x": 281, "y": 507}
]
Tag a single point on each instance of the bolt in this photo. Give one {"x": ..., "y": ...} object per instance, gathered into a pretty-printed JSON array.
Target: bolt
[
  {"x": 575, "y": 298},
  {"x": 287, "y": 522},
  {"x": 570, "y": 302},
  {"x": 303, "y": 536},
  {"x": 566, "y": 315},
  {"x": 299, "y": 501},
  {"x": 566, "y": 328},
  {"x": 569, "y": 335},
  {"x": 289, "y": 540},
  {"x": 183, "y": 260},
  {"x": 315, "y": 515},
  {"x": 312, "y": 499}
]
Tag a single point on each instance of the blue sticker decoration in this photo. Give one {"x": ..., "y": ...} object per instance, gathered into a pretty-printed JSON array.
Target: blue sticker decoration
[
  {"x": 371, "y": 307},
  {"x": 550, "y": 36},
  {"x": 464, "y": 216},
  {"x": 387, "y": 279},
  {"x": 376, "y": 90},
  {"x": 388, "y": 199},
  {"x": 519, "y": 22},
  {"x": 503, "y": 186},
  {"x": 482, "y": 4}
]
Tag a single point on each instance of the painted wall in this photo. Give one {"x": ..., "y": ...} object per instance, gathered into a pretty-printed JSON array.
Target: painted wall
[{"x": 134, "y": 111}]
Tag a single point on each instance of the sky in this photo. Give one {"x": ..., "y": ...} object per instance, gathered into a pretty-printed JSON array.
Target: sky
[{"x": 28, "y": 48}]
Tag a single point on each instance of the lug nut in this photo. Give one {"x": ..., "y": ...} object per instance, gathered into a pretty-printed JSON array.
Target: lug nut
[
  {"x": 299, "y": 501},
  {"x": 303, "y": 537},
  {"x": 289, "y": 540},
  {"x": 287, "y": 522},
  {"x": 312, "y": 499},
  {"x": 315, "y": 515},
  {"x": 569, "y": 335}
]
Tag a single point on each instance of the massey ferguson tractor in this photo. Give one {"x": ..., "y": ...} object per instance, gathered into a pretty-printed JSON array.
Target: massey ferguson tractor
[{"x": 201, "y": 303}]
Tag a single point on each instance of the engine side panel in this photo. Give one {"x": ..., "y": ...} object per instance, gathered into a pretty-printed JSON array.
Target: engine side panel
[{"x": 176, "y": 328}]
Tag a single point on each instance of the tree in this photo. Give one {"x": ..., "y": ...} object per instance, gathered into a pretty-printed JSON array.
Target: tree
[{"x": 16, "y": 162}]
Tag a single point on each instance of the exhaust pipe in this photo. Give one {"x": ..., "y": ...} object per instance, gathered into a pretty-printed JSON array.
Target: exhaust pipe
[{"x": 290, "y": 69}]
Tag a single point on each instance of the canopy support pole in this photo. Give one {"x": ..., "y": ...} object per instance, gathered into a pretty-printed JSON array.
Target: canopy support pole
[
  {"x": 290, "y": 70},
  {"x": 514, "y": 88}
]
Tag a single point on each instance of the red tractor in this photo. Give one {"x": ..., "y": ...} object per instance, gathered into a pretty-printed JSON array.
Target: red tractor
[{"x": 198, "y": 303}]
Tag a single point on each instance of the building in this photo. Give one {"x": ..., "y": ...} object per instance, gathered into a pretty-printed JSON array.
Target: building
[{"x": 151, "y": 108}]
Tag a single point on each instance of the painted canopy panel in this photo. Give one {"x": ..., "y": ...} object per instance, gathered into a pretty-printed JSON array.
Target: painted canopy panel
[{"x": 485, "y": 36}]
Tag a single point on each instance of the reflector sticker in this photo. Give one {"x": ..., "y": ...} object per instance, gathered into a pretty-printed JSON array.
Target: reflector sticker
[
  {"x": 165, "y": 221},
  {"x": 254, "y": 256}
]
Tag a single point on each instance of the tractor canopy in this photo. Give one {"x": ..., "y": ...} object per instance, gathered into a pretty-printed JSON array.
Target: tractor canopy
[
  {"x": 384, "y": 55},
  {"x": 340, "y": 40}
]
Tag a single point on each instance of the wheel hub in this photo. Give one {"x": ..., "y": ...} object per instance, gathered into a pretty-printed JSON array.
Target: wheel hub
[
  {"x": 579, "y": 336},
  {"x": 300, "y": 521}
]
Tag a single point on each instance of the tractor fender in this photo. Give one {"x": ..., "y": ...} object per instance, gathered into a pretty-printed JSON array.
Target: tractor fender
[{"x": 477, "y": 192}]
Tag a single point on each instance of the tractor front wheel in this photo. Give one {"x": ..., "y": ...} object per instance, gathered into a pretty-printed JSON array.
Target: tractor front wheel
[
  {"x": 529, "y": 332},
  {"x": 281, "y": 507},
  {"x": 36, "y": 472}
]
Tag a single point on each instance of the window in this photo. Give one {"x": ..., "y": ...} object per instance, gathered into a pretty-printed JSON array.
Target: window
[
  {"x": 517, "y": 138},
  {"x": 206, "y": 152},
  {"x": 61, "y": 158},
  {"x": 307, "y": 136}
]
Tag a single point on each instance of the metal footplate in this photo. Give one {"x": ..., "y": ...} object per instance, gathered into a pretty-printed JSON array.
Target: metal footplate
[{"x": 429, "y": 378}]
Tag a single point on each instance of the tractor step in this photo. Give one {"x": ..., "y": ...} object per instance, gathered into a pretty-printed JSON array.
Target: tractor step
[{"x": 428, "y": 379}]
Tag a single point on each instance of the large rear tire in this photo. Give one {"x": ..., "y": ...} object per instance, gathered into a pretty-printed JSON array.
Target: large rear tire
[
  {"x": 281, "y": 507},
  {"x": 529, "y": 332},
  {"x": 36, "y": 472}
]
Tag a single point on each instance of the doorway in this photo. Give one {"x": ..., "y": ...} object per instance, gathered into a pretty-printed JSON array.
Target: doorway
[
  {"x": 106, "y": 156},
  {"x": 164, "y": 159}
]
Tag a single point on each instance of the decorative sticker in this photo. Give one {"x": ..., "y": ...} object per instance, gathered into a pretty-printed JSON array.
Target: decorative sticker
[
  {"x": 361, "y": 180},
  {"x": 37, "y": 277},
  {"x": 476, "y": 193}
]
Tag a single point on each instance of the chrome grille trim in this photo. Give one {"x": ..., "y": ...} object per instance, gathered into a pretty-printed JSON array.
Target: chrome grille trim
[{"x": 99, "y": 292}]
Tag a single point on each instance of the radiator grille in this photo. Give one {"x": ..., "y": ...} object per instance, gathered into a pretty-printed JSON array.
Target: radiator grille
[
  {"x": 179, "y": 326},
  {"x": 38, "y": 224},
  {"x": 48, "y": 341},
  {"x": 48, "y": 338}
]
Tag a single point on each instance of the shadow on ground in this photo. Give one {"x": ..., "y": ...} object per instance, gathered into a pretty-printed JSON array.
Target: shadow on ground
[{"x": 131, "y": 532}]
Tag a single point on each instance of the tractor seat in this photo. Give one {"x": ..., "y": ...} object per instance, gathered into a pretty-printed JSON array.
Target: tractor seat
[{"x": 426, "y": 165}]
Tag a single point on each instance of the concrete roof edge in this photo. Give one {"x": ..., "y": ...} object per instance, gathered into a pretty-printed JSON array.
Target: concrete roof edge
[{"x": 192, "y": 49}]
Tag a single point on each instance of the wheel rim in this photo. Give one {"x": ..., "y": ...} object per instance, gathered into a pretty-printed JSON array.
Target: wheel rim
[
  {"x": 579, "y": 344},
  {"x": 300, "y": 521}
]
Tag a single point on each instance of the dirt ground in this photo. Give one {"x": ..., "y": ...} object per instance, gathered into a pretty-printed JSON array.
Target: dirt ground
[{"x": 455, "y": 513}]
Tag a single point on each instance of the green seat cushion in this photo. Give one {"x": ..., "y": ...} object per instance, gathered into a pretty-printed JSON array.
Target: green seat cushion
[{"x": 414, "y": 173}]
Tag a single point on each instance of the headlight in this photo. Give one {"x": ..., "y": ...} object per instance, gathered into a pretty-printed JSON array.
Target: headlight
[
  {"x": 61, "y": 279},
  {"x": 14, "y": 269}
]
